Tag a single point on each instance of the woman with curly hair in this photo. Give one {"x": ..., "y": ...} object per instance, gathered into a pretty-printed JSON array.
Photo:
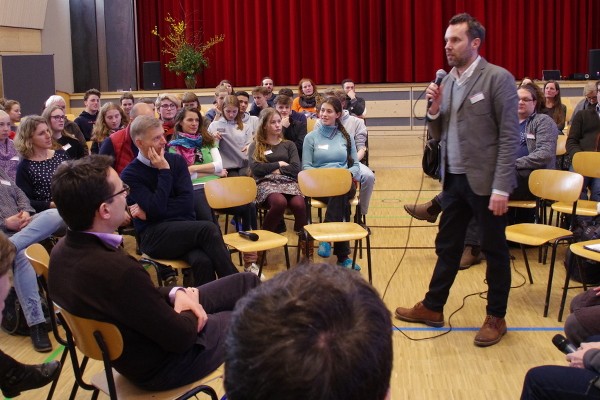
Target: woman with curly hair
[
  {"x": 308, "y": 98},
  {"x": 111, "y": 118}
]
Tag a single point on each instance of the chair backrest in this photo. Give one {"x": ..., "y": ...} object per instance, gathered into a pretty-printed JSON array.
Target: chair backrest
[
  {"x": 587, "y": 163},
  {"x": 324, "y": 182},
  {"x": 310, "y": 124},
  {"x": 230, "y": 192},
  {"x": 561, "y": 145},
  {"x": 550, "y": 184},
  {"x": 39, "y": 259},
  {"x": 84, "y": 333}
]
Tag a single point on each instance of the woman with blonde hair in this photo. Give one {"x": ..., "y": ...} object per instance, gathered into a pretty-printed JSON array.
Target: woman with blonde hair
[
  {"x": 55, "y": 117},
  {"x": 40, "y": 160},
  {"x": 111, "y": 118}
]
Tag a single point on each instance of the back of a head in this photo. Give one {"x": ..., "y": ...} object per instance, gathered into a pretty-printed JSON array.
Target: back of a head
[{"x": 314, "y": 332}]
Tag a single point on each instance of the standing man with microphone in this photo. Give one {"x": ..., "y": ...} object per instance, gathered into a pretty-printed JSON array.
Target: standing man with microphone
[{"x": 473, "y": 113}]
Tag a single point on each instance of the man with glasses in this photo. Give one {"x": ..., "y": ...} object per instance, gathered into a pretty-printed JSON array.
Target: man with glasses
[
  {"x": 590, "y": 91},
  {"x": 167, "y": 106},
  {"x": 172, "y": 335}
]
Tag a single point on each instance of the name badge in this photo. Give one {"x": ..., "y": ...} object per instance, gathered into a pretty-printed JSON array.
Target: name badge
[
  {"x": 476, "y": 98},
  {"x": 221, "y": 130},
  {"x": 323, "y": 147},
  {"x": 15, "y": 158},
  {"x": 66, "y": 146},
  {"x": 4, "y": 182},
  {"x": 530, "y": 136},
  {"x": 268, "y": 152}
]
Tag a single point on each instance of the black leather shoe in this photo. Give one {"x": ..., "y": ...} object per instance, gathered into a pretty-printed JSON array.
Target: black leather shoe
[
  {"x": 26, "y": 377},
  {"x": 39, "y": 338}
]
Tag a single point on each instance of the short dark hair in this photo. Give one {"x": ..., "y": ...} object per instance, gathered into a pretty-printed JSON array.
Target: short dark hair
[
  {"x": 242, "y": 93},
  {"x": 313, "y": 332},
  {"x": 126, "y": 95},
  {"x": 346, "y": 81},
  {"x": 79, "y": 187},
  {"x": 474, "y": 28},
  {"x": 260, "y": 89},
  {"x": 90, "y": 92},
  {"x": 287, "y": 92},
  {"x": 283, "y": 99}
]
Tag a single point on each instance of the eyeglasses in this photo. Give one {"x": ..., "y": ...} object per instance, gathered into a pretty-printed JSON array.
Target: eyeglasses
[
  {"x": 125, "y": 190},
  {"x": 167, "y": 106},
  {"x": 593, "y": 98},
  {"x": 526, "y": 100},
  {"x": 58, "y": 117}
]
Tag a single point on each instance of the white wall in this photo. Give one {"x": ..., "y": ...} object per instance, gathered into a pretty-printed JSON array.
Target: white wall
[{"x": 56, "y": 39}]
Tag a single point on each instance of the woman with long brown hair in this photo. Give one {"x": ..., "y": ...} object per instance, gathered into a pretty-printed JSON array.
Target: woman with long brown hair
[{"x": 111, "y": 118}]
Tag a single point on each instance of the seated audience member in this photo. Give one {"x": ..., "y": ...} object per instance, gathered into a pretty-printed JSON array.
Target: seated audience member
[
  {"x": 167, "y": 106},
  {"x": 164, "y": 216},
  {"x": 87, "y": 118},
  {"x": 251, "y": 120},
  {"x": 267, "y": 83},
  {"x": 34, "y": 172},
  {"x": 150, "y": 101},
  {"x": 9, "y": 158},
  {"x": 119, "y": 145},
  {"x": 172, "y": 336},
  {"x": 14, "y": 376},
  {"x": 286, "y": 92},
  {"x": 590, "y": 100},
  {"x": 584, "y": 320},
  {"x": 233, "y": 137},
  {"x": 357, "y": 129},
  {"x": 331, "y": 146},
  {"x": 275, "y": 164},
  {"x": 553, "y": 106},
  {"x": 13, "y": 109},
  {"x": 536, "y": 151},
  {"x": 126, "y": 102},
  {"x": 23, "y": 229},
  {"x": 215, "y": 113},
  {"x": 308, "y": 99},
  {"x": 190, "y": 99},
  {"x": 71, "y": 127},
  {"x": 302, "y": 334},
  {"x": 583, "y": 136},
  {"x": 193, "y": 142},
  {"x": 356, "y": 105},
  {"x": 55, "y": 118},
  {"x": 259, "y": 94},
  {"x": 293, "y": 123},
  {"x": 228, "y": 85},
  {"x": 111, "y": 118}
]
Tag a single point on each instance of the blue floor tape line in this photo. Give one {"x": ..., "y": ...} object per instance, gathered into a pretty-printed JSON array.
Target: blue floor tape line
[{"x": 468, "y": 329}]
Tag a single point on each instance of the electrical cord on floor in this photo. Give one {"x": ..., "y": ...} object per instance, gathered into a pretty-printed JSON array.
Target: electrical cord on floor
[{"x": 482, "y": 295}]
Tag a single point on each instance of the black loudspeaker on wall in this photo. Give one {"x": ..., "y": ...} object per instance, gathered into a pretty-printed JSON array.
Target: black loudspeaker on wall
[
  {"x": 152, "y": 79},
  {"x": 594, "y": 63}
]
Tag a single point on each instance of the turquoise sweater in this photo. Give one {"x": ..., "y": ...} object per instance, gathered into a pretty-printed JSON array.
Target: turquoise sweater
[{"x": 325, "y": 147}]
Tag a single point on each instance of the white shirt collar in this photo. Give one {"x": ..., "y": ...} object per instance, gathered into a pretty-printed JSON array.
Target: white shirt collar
[{"x": 461, "y": 80}]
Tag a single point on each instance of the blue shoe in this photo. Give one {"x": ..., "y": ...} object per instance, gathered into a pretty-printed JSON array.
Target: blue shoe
[
  {"x": 347, "y": 263},
  {"x": 324, "y": 249}
]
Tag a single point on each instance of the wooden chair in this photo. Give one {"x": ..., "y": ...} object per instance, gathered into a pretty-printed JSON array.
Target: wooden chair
[
  {"x": 238, "y": 191},
  {"x": 310, "y": 125},
  {"x": 103, "y": 341},
  {"x": 586, "y": 163},
  {"x": 578, "y": 249},
  {"x": 328, "y": 182},
  {"x": 553, "y": 185},
  {"x": 40, "y": 259}
]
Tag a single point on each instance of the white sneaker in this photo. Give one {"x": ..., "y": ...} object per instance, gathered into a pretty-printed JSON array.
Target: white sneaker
[{"x": 254, "y": 269}]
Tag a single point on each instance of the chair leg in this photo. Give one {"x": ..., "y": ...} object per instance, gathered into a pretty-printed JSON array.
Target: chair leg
[
  {"x": 63, "y": 358},
  {"x": 368, "y": 240},
  {"x": 564, "y": 294},
  {"x": 354, "y": 255},
  {"x": 287, "y": 256},
  {"x": 526, "y": 264},
  {"x": 550, "y": 276},
  {"x": 261, "y": 262}
]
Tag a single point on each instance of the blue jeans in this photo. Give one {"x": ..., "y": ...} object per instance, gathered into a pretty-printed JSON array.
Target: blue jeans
[
  {"x": 367, "y": 182},
  {"x": 42, "y": 225}
]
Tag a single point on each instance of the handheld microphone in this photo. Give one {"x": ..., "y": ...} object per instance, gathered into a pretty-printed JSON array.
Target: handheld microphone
[
  {"x": 439, "y": 76},
  {"x": 563, "y": 344},
  {"x": 248, "y": 235}
]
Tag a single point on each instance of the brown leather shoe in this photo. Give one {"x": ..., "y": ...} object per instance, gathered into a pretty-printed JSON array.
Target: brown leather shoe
[
  {"x": 425, "y": 212},
  {"x": 491, "y": 331},
  {"x": 471, "y": 255},
  {"x": 420, "y": 313}
]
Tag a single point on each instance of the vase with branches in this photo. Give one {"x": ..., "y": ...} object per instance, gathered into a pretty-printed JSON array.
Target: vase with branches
[{"x": 188, "y": 53}]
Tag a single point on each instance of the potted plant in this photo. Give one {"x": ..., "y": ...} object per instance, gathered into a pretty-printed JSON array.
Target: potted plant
[{"x": 188, "y": 55}]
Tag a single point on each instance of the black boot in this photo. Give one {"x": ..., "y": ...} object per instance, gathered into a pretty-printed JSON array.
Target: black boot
[
  {"x": 26, "y": 377},
  {"x": 39, "y": 338}
]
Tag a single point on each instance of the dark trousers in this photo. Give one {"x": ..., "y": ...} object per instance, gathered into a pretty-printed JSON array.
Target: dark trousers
[
  {"x": 459, "y": 204},
  {"x": 218, "y": 299},
  {"x": 338, "y": 210},
  {"x": 551, "y": 382},
  {"x": 199, "y": 243}
]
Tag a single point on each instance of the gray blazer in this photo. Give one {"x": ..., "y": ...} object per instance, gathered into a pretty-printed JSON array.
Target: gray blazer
[{"x": 488, "y": 128}]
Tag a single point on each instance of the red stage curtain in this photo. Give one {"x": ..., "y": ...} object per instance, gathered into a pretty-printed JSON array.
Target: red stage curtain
[{"x": 370, "y": 41}]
